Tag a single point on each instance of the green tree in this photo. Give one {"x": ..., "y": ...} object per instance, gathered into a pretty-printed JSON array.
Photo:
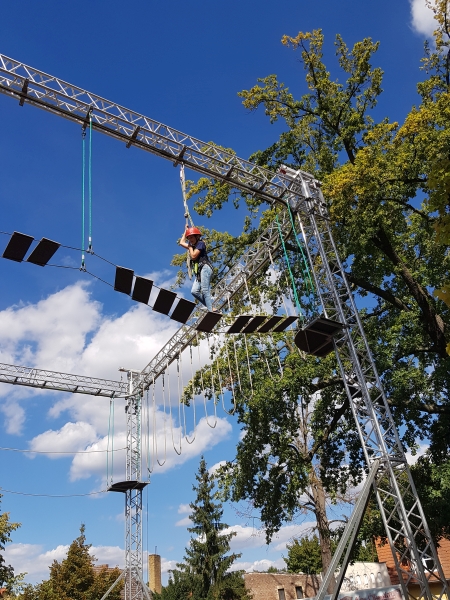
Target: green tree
[
  {"x": 205, "y": 574},
  {"x": 387, "y": 186},
  {"x": 74, "y": 577},
  {"x": 7, "y": 577},
  {"x": 304, "y": 556}
]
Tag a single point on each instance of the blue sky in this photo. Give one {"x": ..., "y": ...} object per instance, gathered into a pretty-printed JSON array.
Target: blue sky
[{"x": 182, "y": 64}]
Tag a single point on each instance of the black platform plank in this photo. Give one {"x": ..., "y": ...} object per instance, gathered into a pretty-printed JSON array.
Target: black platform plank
[
  {"x": 123, "y": 280},
  {"x": 43, "y": 252},
  {"x": 182, "y": 310},
  {"x": 17, "y": 246},
  {"x": 317, "y": 337},
  {"x": 270, "y": 323},
  {"x": 164, "y": 301},
  {"x": 124, "y": 486},
  {"x": 239, "y": 324},
  {"x": 284, "y": 325},
  {"x": 209, "y": 321},
  {"x": 142, "y": 289},
  {"x": 254, "y": 324}
]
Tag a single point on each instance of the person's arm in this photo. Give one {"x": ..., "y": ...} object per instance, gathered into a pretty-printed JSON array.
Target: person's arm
[{"x": 193, "y": 252}]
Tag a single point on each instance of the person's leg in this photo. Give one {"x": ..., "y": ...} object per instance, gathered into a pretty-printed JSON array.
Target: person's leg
[
  {"x": 196, "y": 291},
  {"x": 205, "y": 276}
]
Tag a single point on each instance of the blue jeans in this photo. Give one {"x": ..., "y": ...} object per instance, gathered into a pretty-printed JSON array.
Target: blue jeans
[{"x": 201, "y": 290}]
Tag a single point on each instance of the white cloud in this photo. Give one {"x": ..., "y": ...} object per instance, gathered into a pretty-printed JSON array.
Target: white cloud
[
  {"x": 412, "y": 459},
  {"x": 214, "y": 468},
  {"x": 72, "y": 437},
  {"x": 258, "y": 565},
  {"x": 30, "y": 559},
  {"x": 185, "y": 522},
  {"x": 167, "y": 565},
  {"x": 108, "y": 555},
  {"x": 252, "y": 537},
  {"x": 422, "y": 18},
  {"x": 184, "y": 509}
]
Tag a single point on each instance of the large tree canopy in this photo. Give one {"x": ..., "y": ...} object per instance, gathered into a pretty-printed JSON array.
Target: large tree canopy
[{"x": 387, "y": 186}]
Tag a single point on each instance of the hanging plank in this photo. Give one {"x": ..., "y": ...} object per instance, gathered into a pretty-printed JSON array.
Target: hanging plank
[
  {"x": 209, "y": 321},
  {"x": 254, "y": 324},
  {"x": 17, "y": 246},
  {"x": 142, "y": 289},
  {"x": 164, "y": 301},
  {"x": 239, "y": 324},
  {"x": 317, "y": 337},
  {"x": 284, "y": 325},
  {"x": 43, "y": 252},
  {"x": 123, "y": 280},
  {"x": 270, "y": 323},
  {"x": 183, "y": 310}
]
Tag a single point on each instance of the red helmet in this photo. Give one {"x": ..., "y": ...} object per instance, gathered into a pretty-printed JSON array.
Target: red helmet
[{"x": 193, "y": 231}]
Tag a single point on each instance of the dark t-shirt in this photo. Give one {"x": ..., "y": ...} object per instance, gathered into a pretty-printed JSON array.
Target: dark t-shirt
[{"x": 200, "y": 245}]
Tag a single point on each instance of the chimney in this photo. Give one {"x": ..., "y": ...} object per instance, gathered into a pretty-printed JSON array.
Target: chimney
[{"x": 154, "y": 572}]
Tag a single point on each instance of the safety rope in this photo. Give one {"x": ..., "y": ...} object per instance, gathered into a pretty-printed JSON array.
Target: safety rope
[
  {"x": 83, "y": 186},
  {"x": 306, "y": 269},
  {"x": 108, "y": 442},
  {"x": 170, "y": 410},
  {"x": 90, "y": 184},
  {"x": 294, "y": 287},
  {"x": 187, "y": 216},
  {"x": 154, "y": 416}
]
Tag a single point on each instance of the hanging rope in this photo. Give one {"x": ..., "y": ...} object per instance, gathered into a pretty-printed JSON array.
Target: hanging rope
[
  {"x": 294, "y": 287},
  {"x": 170, "y": 409},
  {"x": 154, "y": 417},
  {"x": 83, "y": 186},
  {"x": 203, "y": 389},
  {"x": 305, "y": 268},
  {"x": 90, "y": 185},
  {"x": 187, "y": 216},
  {"x": 193, "y": 405}
]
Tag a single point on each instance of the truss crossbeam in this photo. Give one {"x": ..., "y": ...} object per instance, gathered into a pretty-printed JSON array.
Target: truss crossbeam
[
  {"x": 63, "y": 382},
  {"x": 28, "y": 85}
]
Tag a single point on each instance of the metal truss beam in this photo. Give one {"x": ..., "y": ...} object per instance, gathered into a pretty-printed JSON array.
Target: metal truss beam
[
  {"x": 62, "y": 382},
  {"x": 30, "y": 86},
  {"x": 412, "y": 545}
]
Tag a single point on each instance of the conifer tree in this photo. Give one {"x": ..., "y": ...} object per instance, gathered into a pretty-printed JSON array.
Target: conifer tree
[{"x": 205, "y": 570}]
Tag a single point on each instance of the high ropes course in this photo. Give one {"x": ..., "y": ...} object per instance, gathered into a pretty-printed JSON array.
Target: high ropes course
[{"x": 329, "y": 323}]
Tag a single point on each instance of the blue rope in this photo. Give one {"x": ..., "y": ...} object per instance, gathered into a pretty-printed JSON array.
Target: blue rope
[
  {"x": 294, "y": 287},
  {"x": 83, "y": 136},
  {"x": 306, "y": 270},
  {"x": 90, "y": 184}
]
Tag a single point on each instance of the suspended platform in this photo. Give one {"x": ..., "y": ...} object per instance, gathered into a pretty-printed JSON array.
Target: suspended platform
[
  {"x": 124, "y": 486},
  {"x": 317, "y": 337}
]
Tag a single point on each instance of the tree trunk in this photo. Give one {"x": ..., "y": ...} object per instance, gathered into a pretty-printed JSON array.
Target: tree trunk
[{"x": 323, "y": 526}]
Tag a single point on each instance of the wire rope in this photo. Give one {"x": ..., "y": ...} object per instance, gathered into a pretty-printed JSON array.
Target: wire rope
[
  {"x": 108, "y": 441},
  {"x": 112, "y": 441},
  {"x": 203, "y": 389},
  {"x": 60, "y": 452},
  {"x": 2, "y": 490}
]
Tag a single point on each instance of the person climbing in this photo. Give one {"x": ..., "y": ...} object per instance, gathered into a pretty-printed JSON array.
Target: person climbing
[{"x": 202, "y": 268}]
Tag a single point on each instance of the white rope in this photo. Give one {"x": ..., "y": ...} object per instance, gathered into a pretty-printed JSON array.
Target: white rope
[
  {"x": 203, "y": 389},
  {"x": 155, "y": 437},
  {"x": 170, "y": 411},
  {"x": 148, "y": 461},
  {"x": 193, "y": 408}
]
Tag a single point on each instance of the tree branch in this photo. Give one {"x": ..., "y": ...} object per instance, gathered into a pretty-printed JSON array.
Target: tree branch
[{"x": 365, "y": 285}]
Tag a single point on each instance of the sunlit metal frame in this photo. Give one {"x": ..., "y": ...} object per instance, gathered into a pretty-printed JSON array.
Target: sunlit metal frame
[{"x": 376, "y": 428}]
